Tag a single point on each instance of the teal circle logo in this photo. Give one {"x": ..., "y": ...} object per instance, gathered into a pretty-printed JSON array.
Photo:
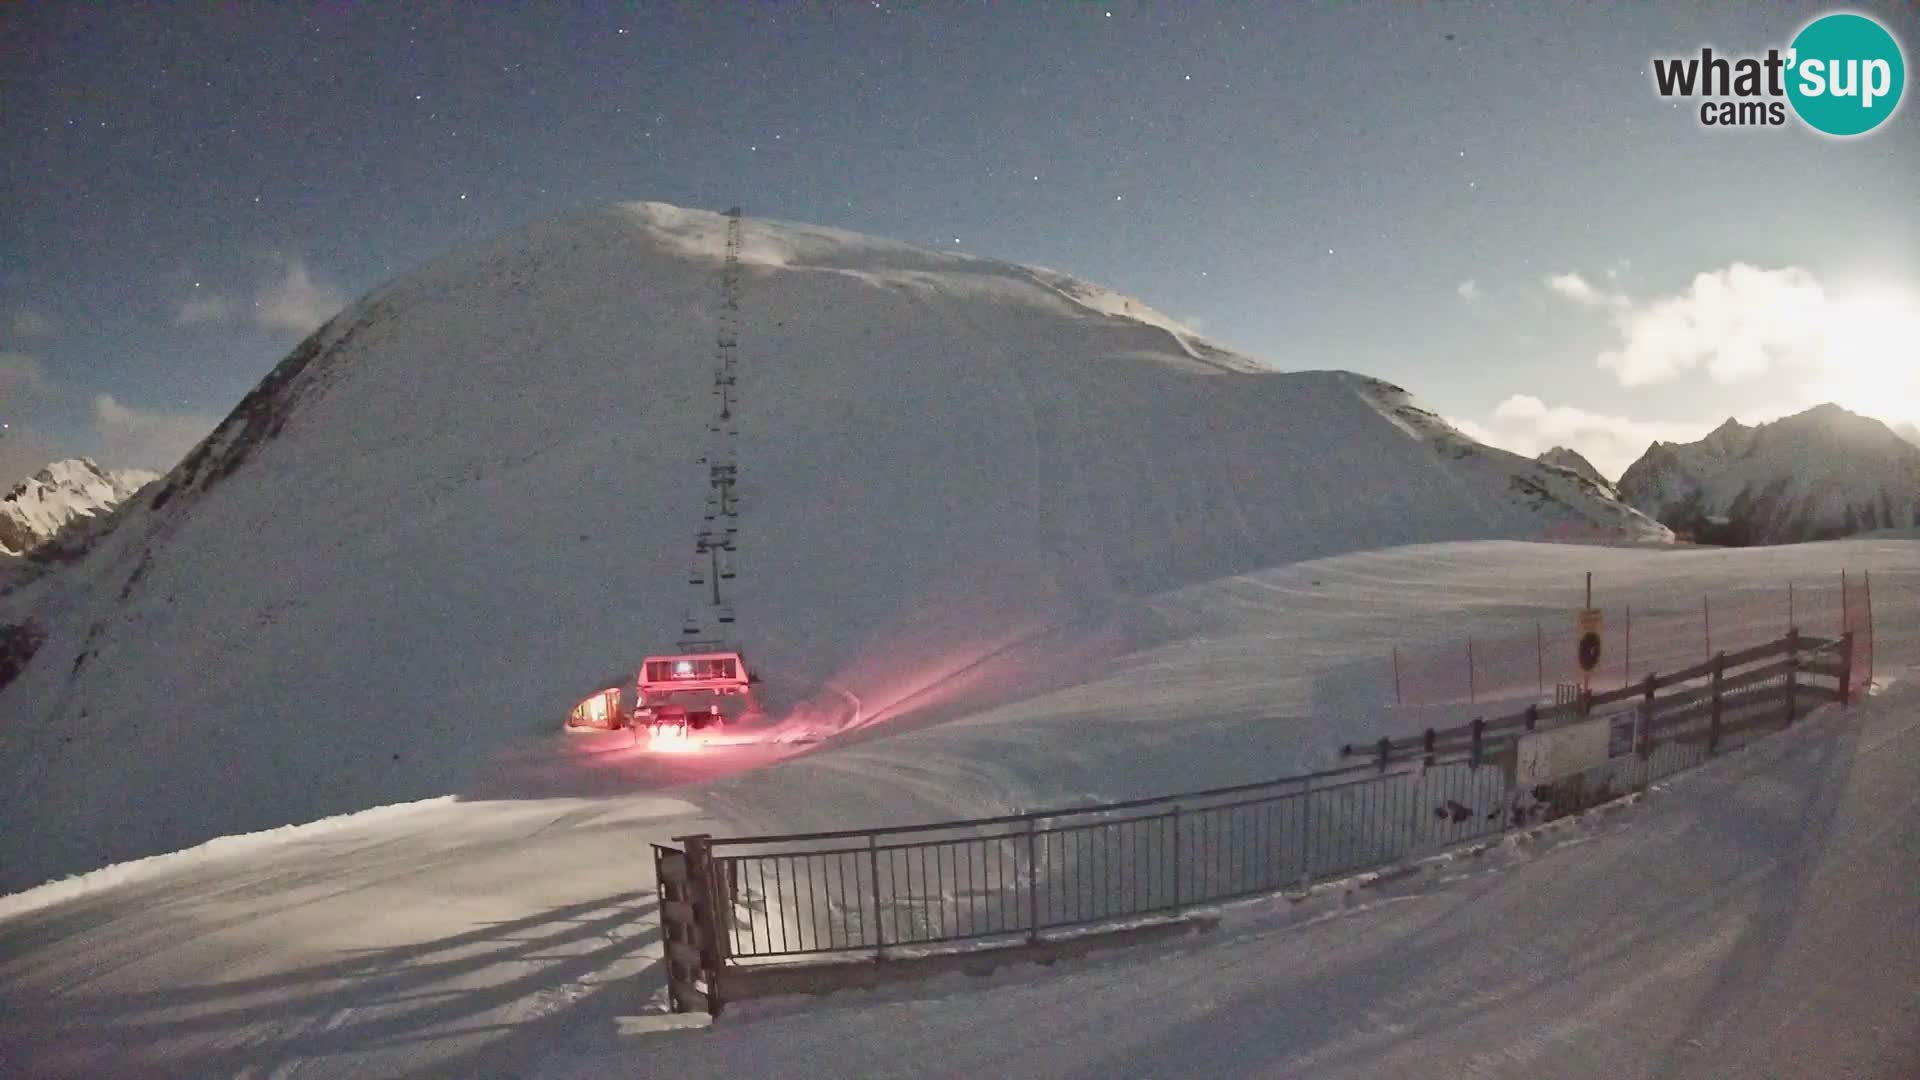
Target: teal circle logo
[{"x": 1845, "y": 74}]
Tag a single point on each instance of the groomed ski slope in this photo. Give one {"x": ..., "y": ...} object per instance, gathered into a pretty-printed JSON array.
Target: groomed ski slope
[
  {"x": 1753, "y": 914},
  {"x": 471, "y": 499}
]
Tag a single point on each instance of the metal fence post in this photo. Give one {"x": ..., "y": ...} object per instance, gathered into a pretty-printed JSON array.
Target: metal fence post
[
  {"x": 1713, "y": 721},
  {"x": 701, "y": 890},
  {"x": 1646, "y": 719},
  {"x": 1033, "y": 882},
  {"x": 1176, "y": 857},
  {"x": 1867, "y": 577},
  {"x": 1306, "y": 835},
  {"x": 873, "y": 873},
  {"x": 679, "y": 933},
  {"x": 1793, "y": 672}
]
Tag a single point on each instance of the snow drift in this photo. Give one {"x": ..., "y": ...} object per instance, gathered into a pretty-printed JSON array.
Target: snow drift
[{"x": 470, "y": 499}]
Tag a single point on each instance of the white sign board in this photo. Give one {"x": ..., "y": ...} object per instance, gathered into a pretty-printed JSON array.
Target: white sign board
[{"x": 1546, "y": 756}]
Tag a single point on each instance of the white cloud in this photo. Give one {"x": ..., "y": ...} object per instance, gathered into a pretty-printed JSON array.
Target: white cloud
[
  {"x": 205, "y": 307},
  {"x": 1858, "y": 347},
  {"x": 1736, "y": 323},
  {"x": 28, "y": 323},
  {"x": 1579, "y": 290},
  {"x": 117, "y": 435},
  {"x": 296, "y": 301},
  {"x": 153, "y": 440},
  {"x": 1468, "y": 290}
]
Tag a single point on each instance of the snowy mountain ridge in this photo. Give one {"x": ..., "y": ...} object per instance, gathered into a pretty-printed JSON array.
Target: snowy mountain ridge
[
  {"x": 1564, "y": 458},
  {"x": 1584, "y": 503},
  {"x": 462, "y": 503},
  {"x": 1816, "y": 475},
  {"x": 60, "y": 494}
]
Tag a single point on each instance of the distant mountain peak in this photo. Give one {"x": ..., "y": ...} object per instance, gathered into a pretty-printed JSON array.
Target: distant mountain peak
[
  {"x": 1567, "y": 458},
  {"x": 64, "y": 492},
  {"x": 1821, "y": 473}
]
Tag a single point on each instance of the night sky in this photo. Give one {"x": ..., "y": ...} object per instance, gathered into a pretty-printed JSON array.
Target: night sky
[{"x": 189, "y": 188}]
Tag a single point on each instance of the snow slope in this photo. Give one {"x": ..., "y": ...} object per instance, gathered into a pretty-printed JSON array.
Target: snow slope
[
  {"x": 1815, "y": 475},
  {"x": 502, "y": 936},
  {"x": 470, "y": 499},
  {"x": 63, "y": 492}
]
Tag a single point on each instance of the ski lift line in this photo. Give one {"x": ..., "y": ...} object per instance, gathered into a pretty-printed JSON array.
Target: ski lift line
[{"x": 712, "y": 543}]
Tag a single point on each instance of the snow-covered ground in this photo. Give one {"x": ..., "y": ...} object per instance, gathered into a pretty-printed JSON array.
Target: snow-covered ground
[
  {"x": 1013, "y": 540},
  {"x": 1754, "y": 919}
]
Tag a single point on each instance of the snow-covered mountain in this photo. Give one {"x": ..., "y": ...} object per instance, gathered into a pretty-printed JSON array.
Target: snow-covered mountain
[
  {"x": 1815, "y": 475},
  {"x": 60, "y": 494},
  {"x": 472, "y": 497},
  {"x": 1909, "y": 431},
  {"x": 1564, "y": 458}
]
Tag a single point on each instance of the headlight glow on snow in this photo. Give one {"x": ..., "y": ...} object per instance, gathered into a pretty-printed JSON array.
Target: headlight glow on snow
[{"x": 674, "y": 740}]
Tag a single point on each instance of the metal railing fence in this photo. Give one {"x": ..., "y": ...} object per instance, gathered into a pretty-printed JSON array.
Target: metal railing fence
[{"x": 1011, "y": 879}]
